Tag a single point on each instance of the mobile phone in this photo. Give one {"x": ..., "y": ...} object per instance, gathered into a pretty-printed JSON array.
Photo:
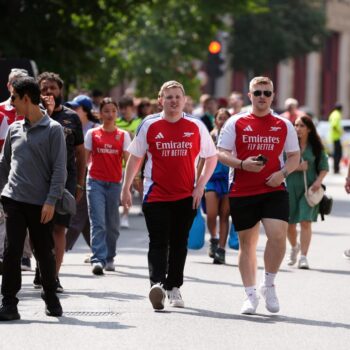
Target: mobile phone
[{"x": 261, "y": 158}]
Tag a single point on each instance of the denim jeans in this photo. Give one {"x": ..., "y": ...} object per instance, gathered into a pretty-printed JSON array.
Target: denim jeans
[{"x": 103, "y": 204}]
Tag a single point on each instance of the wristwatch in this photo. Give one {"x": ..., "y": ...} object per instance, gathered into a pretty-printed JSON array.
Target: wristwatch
[
  {"x": 284, "y": 172},
  {"x": 81, "y": 187}
]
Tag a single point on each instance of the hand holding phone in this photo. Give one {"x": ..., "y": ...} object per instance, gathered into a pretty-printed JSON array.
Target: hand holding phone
[{"x": 261, "y": 158}]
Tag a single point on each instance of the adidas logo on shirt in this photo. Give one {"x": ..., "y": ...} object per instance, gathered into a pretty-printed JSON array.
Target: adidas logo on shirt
[
  {"x": 248, "y": 128},
  {"x": 159, "y": 136}
]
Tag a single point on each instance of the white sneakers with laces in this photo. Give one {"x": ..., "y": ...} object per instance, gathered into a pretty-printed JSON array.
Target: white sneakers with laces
[
  {"x": 124, "y": 221},
  {"x": 303, "y": 263},
  {"x": 157, "y": 297},
  {"x": 293, "y": 255},
  {"x": 270, "y": 297},
  {"x": 249, "y": 305},
  {"x": 175, "y": 298}
]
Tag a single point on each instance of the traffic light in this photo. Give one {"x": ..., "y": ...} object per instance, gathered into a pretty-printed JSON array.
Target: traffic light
[{"x": 215, "y": 60}]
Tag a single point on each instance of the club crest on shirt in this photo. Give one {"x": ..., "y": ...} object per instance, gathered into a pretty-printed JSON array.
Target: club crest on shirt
[
  {"x": 66, "y": 121},
  {"x": 117, "y": 137},
  {"x": 275, "y": 128},
  {"x": 188, "y": 134}
]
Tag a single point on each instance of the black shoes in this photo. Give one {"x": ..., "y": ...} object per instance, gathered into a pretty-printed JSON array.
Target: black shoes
[
  {"x": 219, "y": 256},
  {"x": 213, "y": 245},
  {"x": 9, "y": 313},
  {"x": 53, "y": 305},
  {"x": 37, "y": 279},
  {"x": 59, "y": 288}
]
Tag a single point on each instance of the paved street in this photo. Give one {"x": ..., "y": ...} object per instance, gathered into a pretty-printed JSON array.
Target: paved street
[{"x": 113, "y": 311}]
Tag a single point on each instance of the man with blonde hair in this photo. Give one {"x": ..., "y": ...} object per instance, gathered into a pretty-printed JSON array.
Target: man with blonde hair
[
  {"x": 173, "y": 142},
  {"x": 253, "y": 144}
]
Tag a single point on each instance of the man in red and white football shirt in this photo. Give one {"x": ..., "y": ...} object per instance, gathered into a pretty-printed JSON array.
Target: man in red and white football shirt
[
  {"x": 173, "y": 141},
  {"x": 253, "y": 144}
]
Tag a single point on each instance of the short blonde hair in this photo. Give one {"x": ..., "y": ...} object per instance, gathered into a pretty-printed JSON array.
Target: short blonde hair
[
  {"x": 260, "y": 80},
  {"x": 171, "y": 84}
]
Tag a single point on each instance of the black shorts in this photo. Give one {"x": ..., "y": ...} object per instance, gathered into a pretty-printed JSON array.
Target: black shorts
[
  {"x": 247, "y": 211},
  {"x": 64, "y": 220}
]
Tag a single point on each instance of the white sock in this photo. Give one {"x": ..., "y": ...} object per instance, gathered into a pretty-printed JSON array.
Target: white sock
[
  {"x": 268, "y": 279},
  {"x": 250, "y": 291}
]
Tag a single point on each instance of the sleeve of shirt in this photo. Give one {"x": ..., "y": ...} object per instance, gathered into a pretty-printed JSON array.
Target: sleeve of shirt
[
  {"x": 88, "y": 140},
  {"x": 227, "y": 137},
  {"x": 323, "y": 164},
  {"x": 208, "y": 148},
  {"x": 127, "y": 141},
  {"x": 79, "y": 135},
  {"x": 59, "y": 164},
  {"x": 292, "y": 143},
  {"x": 138, "y": 146}
]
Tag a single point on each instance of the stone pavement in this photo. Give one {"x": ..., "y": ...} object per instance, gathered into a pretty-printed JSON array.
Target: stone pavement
[{"x": 113, "y": 311}]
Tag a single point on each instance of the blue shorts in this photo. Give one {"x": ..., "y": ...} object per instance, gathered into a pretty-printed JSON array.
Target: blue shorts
[{"x": 220, "y": 186}]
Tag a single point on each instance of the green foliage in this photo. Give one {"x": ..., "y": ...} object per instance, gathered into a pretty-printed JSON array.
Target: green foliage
[
  {"x": 290, "y": 28},
  {"x": 102, "y": 43}
]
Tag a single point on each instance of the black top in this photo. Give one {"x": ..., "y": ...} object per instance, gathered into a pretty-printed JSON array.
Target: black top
[{"x": 73, "y": 133}]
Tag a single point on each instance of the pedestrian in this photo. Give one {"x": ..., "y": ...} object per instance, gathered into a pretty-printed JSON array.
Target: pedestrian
[
  {"x": 336, "y": 132},
  {"x": 216, "y": 198},
  {"x": 235, "y": 102},
  {"x": 314, "y": 163},
  {"x": 106, "y": 146},
  {"x": 210, "y": 107},
  {"x": 253, "y": 143},
  {"x": 128, "y": 121},
  {"x": 10, "y": 116},
  {"x": 172, "y": 141},
  {"x": 32, "y": 177},
  {"x": 292, "y": 112},
  {"x": 80, "y": 222},
  {"x": 51, "y": 86}
]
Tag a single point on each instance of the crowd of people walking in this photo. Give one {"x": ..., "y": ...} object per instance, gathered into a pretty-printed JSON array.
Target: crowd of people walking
[{"x": 251, "y": 164}]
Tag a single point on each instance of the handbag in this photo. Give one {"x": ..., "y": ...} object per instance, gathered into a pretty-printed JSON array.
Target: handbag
[
  {"x": 233, "y": 241},
  {"x": 326, "y": 206},
  {"x": 197, "y": 232},
  {"x": 66, "y": 204},
  {"x": 312, "y": 197}
]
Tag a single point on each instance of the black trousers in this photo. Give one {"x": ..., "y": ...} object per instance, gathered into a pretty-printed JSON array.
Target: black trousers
[
  {"x": 168, "y": 225},
  {"x": 337, "y": 155},
  {"x": 79, "y": 223},
  {"x": 20, "y": 217}
]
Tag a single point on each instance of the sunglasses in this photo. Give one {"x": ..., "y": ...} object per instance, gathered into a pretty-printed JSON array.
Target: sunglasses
[
  {"x": 13, "y": 97},
  {"x": 266, "y": 93}
]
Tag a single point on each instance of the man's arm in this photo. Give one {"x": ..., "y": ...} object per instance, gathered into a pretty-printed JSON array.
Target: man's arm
[
  {"x": 81, "y": 170},
  {"x": 131, "y": 169},
  {"x": 292, "y": 162},
  {"x": 206, "y": 173},
  {"x": 58, "y": 159}
]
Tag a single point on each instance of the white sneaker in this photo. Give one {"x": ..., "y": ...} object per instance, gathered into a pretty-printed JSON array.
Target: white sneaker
[
  {"x": 271, "y": 300},
  {"x": 110, "y": 266},
  {"x": 293, "y": 255},
  {"x": 124, "y": 221},
  {"x": 175, "y": 298},
  {"x": 97, "y": 268},
  {"x": 249, "y": 305},
  {"x": 303, "y": 263},
  {"x": 157, "y": 297}
]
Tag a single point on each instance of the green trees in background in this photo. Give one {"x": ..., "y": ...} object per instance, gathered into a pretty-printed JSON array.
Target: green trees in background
[
  {"x": 101, "y": 43},
  {"x": 288, "y": 29}
]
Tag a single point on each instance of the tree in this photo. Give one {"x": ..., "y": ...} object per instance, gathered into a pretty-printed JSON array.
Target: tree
[
  {"x": 288, "y": 29},
  {"x": 106, "y": 42}
]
